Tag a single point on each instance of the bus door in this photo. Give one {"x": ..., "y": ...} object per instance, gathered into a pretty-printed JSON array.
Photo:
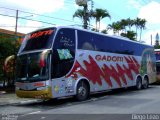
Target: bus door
[{"x": 63, "y": 57}]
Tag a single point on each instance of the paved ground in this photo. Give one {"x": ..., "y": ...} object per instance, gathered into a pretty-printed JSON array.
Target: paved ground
[{"x": 8, "y": 97}]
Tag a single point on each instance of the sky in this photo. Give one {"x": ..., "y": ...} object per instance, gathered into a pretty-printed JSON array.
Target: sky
[{"x": 35, "y": 14}]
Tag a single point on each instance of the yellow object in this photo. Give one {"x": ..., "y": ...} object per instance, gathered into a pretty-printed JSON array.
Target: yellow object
[{"x": 42, "y": 94}]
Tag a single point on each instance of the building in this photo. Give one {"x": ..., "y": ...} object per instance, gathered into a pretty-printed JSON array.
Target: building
[{"x": 7, "y": 34}]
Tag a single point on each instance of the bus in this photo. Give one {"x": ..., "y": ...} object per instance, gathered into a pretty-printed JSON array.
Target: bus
[
  {"x": 157, "y": 53},
  {"x": 66, "y": 61}
]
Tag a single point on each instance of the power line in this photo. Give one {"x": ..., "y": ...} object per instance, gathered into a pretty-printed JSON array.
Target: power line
[
  {"x": 27, "y": 19},
  {"x": 42, "y": 15},
  {"x": 45, "y": 16},
  {"x": 8, "y": 8},
  {"x": 36, "y": 21},
  {"x": 69, "y": 2},
  {"x": 21, "y": 26}
]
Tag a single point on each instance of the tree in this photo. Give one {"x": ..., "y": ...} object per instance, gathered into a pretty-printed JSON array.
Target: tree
[
  {"x": 130, "y": 34},
  {"x": 142, "y": 24},
  {"x": 123, "y": 23},
  {"x": 126, "y": 23},
  {"x": 119, "y": 26},
  {"x": 130, "y": 23},
  {"x": 8, "y": 46},
  {"x": 80, "y": 14},
  {"x": 83, "y": 14},
  {"x": 99, "y": 14},
  {"x": 137, "y": 23},
  {"x": 104, "y": 31},
  {"x": 116, "y": 27}
]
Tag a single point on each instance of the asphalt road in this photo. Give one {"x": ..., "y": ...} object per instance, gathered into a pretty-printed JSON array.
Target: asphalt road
[{"x": 127, "y": 104}]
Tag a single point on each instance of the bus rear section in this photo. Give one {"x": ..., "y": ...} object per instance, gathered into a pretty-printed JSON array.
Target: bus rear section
[{"x": 157, "y": 53}]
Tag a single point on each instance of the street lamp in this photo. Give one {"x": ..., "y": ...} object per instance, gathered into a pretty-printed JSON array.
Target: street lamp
[{"x": 81, "y": 2}]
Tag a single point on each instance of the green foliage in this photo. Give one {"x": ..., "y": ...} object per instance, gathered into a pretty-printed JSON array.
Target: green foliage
[
  {"x": 104, "y": 31},
  {"x": 8, "y": 46},
  {"x": 127, "y": 27},
  {"x": 124, "y": 27},
  {"x": 130, "y": 34},
  {"x": 157, "y": 47},
  {"x": 99, "y": 14}
]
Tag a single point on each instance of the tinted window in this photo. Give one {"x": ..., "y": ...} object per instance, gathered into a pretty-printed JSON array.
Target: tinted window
[
  {"x": 63, "y": 52},
  {"x": 29, "y": 68},
  {"x": 157, "y": 53},
  {"x": 38, "y": 40},
  {"x": 91, "y": 41}
]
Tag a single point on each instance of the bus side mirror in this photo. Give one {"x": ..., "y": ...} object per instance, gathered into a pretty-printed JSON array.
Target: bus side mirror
[{"x": 43, "y": 57}]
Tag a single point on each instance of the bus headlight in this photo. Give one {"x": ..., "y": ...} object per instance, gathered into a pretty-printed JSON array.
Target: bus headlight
[
  {"x": 17, "y": 88},
  {"x": 41, "y": 88}
]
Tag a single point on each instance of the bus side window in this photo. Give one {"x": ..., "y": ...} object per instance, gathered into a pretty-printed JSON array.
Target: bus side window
[
  {"x": 86, "y": 41},
  {"x": 87, "y": 46}
]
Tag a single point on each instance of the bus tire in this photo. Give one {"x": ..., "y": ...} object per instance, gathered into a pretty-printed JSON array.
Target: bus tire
[
  {"x": 139, "y": 83},
  {"x": 82, "y": 92},
  {"x": 145, "y": 83}
]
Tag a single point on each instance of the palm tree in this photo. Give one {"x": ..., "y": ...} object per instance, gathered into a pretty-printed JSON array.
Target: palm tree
[
  {"x": 99, "y": 14},
  {"x": 123, "y": 23},
  {"x": 130, "y": 34},
  {"x": 81, "y": 14},
  {"x": 116, "y": 27},
  {"x": 126, "y": 23},
  {"x": 142, "y": 24},
  {"x": 130, "y": 23},
  {"x": 137, "y": 24}
]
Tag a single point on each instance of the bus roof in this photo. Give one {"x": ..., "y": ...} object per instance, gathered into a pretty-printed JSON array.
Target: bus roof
[{"x": 112, "y": 36}]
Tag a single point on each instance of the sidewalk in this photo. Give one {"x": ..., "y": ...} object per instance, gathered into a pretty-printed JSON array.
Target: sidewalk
[{"x": 10, "y": 98}]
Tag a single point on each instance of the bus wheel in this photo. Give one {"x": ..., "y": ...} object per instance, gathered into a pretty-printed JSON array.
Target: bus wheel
[
  {"x": 82, "y": 91},
  {"x": 138, "y": 83},
  {"x": 145, "y": 83}
]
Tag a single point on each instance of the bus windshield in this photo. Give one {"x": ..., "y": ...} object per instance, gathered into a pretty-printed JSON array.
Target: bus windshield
[
  {"x": 38, "y": 40},
  {"x": 32, "y": 67}
]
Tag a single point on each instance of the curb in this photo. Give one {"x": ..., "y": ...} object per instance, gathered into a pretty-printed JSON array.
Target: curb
[{"x": 23, "y": 102}]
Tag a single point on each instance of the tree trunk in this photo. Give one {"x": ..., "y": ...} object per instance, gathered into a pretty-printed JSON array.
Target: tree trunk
[
  {"x": 96, "y": 25},
  {"x": 140, "y": 34},
  {"x": 99, "y": 25},
  {"x": 85, "y": 25}
]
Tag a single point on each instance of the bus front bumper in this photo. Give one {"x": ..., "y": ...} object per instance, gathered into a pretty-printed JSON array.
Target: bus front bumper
[{"x": 39, "y": 94}]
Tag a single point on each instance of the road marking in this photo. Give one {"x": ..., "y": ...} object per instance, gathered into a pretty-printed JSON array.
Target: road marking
[
  {"x": 34, "y": 112},
  {"x": 43, "y": 117}
]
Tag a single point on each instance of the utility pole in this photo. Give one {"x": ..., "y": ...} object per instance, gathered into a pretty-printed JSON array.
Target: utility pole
[
  {"x": 151, "y": 39},
  {"x": 16, "y": 23},
  {"x": 14, "y": 60}
]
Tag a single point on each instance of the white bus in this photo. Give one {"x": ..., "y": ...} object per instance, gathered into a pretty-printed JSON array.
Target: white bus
[{"x": 66, "y": 61}]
